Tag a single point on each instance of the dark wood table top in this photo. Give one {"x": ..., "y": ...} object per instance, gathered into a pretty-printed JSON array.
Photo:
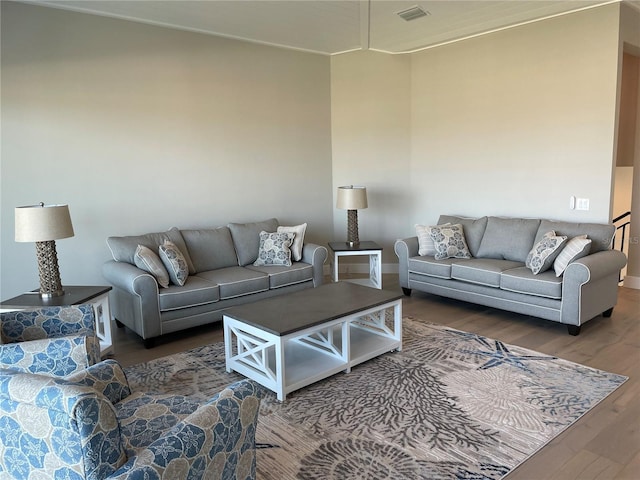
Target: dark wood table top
[
  {"x": 286, "y": 314},
  {"x": 345, "y": 247},
  {"x": 73, "y": 295}
]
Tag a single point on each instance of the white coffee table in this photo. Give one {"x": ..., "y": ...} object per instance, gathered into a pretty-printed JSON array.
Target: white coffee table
[{"x": 291, "y": 341}]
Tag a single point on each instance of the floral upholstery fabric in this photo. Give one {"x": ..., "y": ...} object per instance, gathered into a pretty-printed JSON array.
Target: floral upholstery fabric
[
  {"x": 56, "y": 341},
  {"x": 89, "y": 426}
]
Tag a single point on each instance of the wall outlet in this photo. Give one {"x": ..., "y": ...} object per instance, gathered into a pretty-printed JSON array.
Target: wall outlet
[{"x": 582, "y": 204}]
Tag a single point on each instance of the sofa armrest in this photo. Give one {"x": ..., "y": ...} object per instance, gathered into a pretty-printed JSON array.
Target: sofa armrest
[
  {"x": 218, "y": 438},
  {"x": 53, "y": 357},
  {"x": 590, "y": 286},
  {"x": 134, "y": 299},
  {"x": 405, "y": 249},
  {"x": 315, "y": 255}
]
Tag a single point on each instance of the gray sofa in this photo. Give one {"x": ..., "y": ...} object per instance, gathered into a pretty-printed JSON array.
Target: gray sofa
[
  {"x": 498, "y": 274},
  {"x": 221, "y": 274}
]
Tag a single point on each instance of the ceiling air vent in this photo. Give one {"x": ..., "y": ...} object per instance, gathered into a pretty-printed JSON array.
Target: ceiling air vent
[{"x": 412, "y": 13}]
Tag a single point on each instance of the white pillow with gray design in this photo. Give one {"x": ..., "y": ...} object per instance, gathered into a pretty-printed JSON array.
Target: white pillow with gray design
[
  {"x": 275, "y": 249},
  {"x": 175, "y": 262},
  {"x": 425, "y": 242},
  {"x": 543, "y": 253},
  {"x": 449, "y": 241},
  {"x": 146, "y": 259}
]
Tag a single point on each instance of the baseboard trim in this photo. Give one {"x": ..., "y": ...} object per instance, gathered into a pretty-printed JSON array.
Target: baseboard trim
[{"x": 631, "y": 282}]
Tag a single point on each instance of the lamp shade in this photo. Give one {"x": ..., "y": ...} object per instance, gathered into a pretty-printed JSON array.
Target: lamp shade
[
  {"x": 42, "y": 223},
  {"x": 352, "y": 198}
]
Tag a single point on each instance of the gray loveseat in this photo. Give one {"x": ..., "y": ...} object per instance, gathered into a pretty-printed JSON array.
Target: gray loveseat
[
  {"x": 221, "y": 274},
  {"x": 498, "y": 274}
]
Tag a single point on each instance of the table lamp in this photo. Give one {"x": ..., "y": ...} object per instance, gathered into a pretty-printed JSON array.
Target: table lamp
[
  {"x": 352, "y": 199},
  {"x": 44, "y": 224}
]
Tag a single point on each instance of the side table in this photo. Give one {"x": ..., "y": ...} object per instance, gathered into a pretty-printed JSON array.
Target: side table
[
  {"x": 371, "y": 249},
  {"x": 98, "y": 296}
]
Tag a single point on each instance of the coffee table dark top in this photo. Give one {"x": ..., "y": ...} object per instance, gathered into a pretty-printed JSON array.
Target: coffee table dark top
[{"x": 286, "y": 314}]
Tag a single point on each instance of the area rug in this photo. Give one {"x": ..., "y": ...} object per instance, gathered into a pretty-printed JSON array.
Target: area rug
[{"x": 449, "y": 405}]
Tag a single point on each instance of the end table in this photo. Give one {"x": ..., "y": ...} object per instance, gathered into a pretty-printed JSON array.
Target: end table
[
  {"x": 371, "y": 249},
  {"x": 73, "y": 295}
]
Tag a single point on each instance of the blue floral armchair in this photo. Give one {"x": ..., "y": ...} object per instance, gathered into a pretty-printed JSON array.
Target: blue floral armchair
[
  {"x": 89, "y": 425},
  {"x": 54, "y": 341}
]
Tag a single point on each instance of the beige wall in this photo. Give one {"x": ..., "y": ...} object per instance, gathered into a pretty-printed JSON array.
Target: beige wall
[
  {"x": 516, "y": 122},
  {"x": 141, "y": 128},
  {"x": 370, "y": 125}
]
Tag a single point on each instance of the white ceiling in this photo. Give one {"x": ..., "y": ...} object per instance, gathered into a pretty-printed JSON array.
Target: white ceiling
[{"x": 330, "y": 26}]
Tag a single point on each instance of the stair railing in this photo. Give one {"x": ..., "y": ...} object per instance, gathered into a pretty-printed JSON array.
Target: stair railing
[{"x": 622, "y": 223}]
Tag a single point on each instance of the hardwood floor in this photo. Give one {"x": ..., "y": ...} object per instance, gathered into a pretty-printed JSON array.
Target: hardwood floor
[{"x": 604, "y": 444}]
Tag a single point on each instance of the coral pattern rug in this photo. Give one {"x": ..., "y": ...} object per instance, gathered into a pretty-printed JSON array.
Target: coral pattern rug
[{"x": 449, "y": 405}]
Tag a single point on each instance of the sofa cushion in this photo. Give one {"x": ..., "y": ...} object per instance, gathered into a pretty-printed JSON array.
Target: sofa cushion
[
  {"x": 149, "y": 261},
  {"x": 523, "y": 280},
  {"x": 543, "y": 253},
  {"x": 246, "y": 238},
  {"x": 449, "y": 241},
  {"x": 428, "y": 265},
  {"x": 237, "y": 281},
  {"x": 600, "y": 234},
  {"x": 210, "y": 248},
  {"x": 174, "y": 261},
  {"x": 473, "y": 229},
  {"x": 123, "y": 249},
  {"x": 274, "y": 249},
  {"x": 483, "y": 271},
  {"x": 195, "y": 291},
  {"x": 508, "y": 238},
  {"x": 575, "y": 248},
  {"x": 280, "y": 276},
  {"x": 298, "y": 241}
]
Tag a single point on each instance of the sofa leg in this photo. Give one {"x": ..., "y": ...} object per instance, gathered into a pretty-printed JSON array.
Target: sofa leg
[
  {"x": 574, "y": 329},
  {"x": 149, "y": 342},
  {"x": 119, "y": 324},
  {"x": 607, "y": 313},
  {"x": 406, "y": 291}
]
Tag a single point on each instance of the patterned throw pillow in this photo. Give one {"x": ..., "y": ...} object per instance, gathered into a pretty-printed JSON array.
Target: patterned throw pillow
[
  {"x": 145, "y": 259},
  {"x": 575, "y": 248},
  {"x": 298, "y": 241},
  {"x": 449, "y": 241},
  {"x": 544, "y": 252},
  {"x": 274, "y": 249},
  {"x": 425, "y": 242},
  {"x": 174, "y": 262}
]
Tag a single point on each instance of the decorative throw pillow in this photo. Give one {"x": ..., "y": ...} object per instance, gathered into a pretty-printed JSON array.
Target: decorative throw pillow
[
  {"x": 575, "y": 248},
  {"x": 449, "y": 241},
  {"x": 544, "y": 252},
  {"x": 298, "y": 241},
  {"x": 174, "y": 262},
  {"x": 274, "y": 249},
  {"x": 425, "y": 242},
  {"x": 145, "y": 259}
]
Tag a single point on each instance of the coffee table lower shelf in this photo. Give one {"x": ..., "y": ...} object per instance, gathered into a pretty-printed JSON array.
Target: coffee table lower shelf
[{"x": 287, "y": 363}]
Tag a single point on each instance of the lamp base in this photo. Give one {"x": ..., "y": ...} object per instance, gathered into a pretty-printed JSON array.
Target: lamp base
[
  {"x": 352, "y": 228},
  {"x": 50, "y": 283}
]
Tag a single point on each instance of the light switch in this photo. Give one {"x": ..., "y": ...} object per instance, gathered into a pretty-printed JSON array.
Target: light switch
[{"x": 582, "y": 204}]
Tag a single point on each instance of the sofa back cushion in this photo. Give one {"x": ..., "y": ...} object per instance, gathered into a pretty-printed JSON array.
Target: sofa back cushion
[
  {"x": 123, "y": 249},
  {"x": 473, "y": 229},
  {"x": 246, "y": 238},
  {"x": 210, "y": 249},
  {"x": 508, "y": 238},
  {"x": 601, "y": 235}
]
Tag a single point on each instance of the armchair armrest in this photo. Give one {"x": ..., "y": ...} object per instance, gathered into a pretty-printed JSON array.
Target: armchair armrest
[
  {"x": 315, "y": 255},
  {"x": 106, "y": 377},
  {"x": 405, "y": 249},
  {"x": 55, "y": 357},
  {"x": 218, "y": 439}
]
